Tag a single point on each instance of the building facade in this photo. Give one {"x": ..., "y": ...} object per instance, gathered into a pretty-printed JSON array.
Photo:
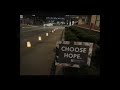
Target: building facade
[
  {"x": 57, "y": 20},
  {"x": 71, "y": 19},
  {"x": 90, "y": 21}
]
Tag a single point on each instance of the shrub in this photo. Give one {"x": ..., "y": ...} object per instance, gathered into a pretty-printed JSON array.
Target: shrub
[
  {"x": 74, "y": 33},
  {"x": 85, "y": 35},
  {"x": 69, "y": 36}
]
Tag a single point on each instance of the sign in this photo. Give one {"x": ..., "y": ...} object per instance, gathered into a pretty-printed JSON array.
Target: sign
[{"x": 74, "y": 52}]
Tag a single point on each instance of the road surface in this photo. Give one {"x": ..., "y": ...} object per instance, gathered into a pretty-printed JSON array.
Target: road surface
[{"x": 38, "y": 59}]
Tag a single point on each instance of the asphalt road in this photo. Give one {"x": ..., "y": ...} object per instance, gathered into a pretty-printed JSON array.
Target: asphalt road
[
  {"x": 38, "y": 59},
  {"x": 26, "y": 32}
]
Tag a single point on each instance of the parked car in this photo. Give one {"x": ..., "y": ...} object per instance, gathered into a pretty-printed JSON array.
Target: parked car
[{"x": 48, "y": 24}]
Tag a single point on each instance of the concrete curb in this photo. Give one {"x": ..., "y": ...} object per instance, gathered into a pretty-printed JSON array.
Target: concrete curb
[
  {"x": 62, "y": 39},
  {"x": 58, "y": 68}
]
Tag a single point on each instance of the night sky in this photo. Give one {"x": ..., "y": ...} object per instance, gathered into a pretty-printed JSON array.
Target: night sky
[
  {"x": 48, "y": 12},
  {"x": 44, "y": 13}
]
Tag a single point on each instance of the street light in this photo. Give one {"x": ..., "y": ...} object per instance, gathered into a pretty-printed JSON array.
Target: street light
[
  {"x": 34, "y": 19},
  {"x": 33, "y": 15}
]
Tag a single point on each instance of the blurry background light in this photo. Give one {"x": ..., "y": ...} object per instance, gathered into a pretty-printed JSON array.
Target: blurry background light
[{"x": 33, "y": 15}]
